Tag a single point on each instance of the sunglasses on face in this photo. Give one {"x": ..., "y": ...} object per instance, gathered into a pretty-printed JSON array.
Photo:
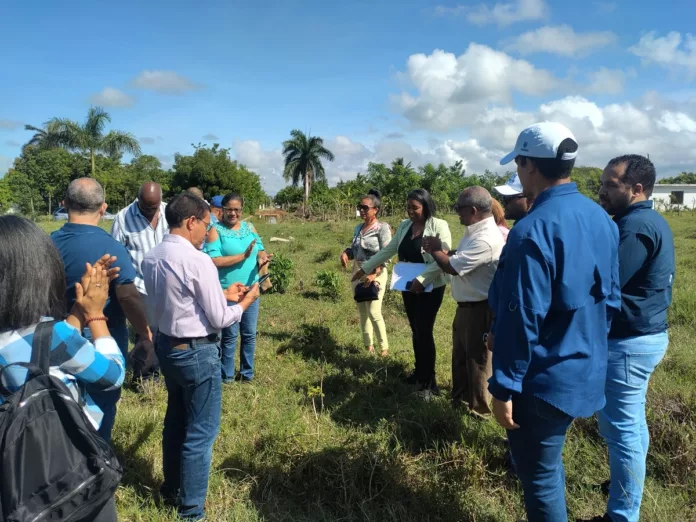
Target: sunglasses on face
[
  {"x": 232, "y": 210},
  {"x": 507, "y": 199},
  {"x": 364, "y": 208}
]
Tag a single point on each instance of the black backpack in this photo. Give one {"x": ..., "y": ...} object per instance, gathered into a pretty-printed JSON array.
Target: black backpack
[{"x": 53, "y": 464}]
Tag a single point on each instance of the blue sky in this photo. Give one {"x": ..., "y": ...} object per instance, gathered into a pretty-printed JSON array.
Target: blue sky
[{"x": 431, "y": 81}]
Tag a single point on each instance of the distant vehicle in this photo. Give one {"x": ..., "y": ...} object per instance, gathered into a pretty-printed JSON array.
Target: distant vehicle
[{"x": 62, "y": 215}]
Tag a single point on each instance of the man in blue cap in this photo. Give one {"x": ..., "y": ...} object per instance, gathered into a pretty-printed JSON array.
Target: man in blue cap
[
  {"x": 553, "y": 297},
  {"x": 216, "y": 209}
]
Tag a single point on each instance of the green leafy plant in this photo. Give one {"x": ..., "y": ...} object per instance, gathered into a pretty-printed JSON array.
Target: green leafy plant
[
  {"x": 282, "y": 270},
  {"x": 330, "y": 283}
]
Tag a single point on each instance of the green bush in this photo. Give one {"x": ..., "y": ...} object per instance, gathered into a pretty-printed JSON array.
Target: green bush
[
  {"x": 330, "y": 283},
  {"x": 282, "y": 270}
]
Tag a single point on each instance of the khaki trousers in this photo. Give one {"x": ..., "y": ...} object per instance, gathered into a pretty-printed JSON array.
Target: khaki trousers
[
  {"x": 371, "y": 313},
  {"x": 471, "y": 359}
]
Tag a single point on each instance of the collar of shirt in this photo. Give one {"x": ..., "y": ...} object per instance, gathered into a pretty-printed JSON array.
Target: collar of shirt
[
  {"x": 481, "y": 226},
  {"x": 552, "y": 192},
  {"x": 174, "y": 238},
  {"x": 632, "y": 208}
]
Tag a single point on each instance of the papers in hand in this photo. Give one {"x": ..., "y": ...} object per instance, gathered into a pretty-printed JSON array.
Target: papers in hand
[{"x": 405, "y": 272}]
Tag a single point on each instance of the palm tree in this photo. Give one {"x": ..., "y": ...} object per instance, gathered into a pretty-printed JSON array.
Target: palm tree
[
  {"x": 68, "y": 134},
  {"x": 303, "y": 156}
]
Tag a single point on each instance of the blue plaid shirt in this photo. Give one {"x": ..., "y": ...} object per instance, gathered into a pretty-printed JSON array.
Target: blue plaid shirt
[{"x": 74, "y": 360}]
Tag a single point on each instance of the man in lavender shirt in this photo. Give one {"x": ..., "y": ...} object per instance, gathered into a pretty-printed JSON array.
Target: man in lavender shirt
[{"x": 190, "y": 310}]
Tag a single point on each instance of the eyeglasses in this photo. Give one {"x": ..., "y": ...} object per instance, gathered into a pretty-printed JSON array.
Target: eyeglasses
[
  {"x": 232, "y": 210},
  {"x": 208, "y": 225},
  {"x": 507, "y": 199},
  {"x": 458, "y": 207},
  {"x": 364, "y": 208}
]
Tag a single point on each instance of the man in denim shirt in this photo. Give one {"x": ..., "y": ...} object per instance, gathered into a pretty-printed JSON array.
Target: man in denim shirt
[
  {"x": 556, "y": 289},
  {"x": 638, "y": 336}
]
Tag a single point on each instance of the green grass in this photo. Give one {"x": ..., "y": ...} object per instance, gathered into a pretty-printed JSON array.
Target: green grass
[{"x": 328, "y": 433}]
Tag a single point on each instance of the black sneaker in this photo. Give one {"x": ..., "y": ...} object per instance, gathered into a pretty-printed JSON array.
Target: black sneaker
[{"x": 598, "y": 518}]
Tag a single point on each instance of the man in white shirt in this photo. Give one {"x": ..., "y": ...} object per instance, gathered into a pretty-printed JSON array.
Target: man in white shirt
[
  {"x": 140, "y": 227},
  {"x": 472, "y": 266}
]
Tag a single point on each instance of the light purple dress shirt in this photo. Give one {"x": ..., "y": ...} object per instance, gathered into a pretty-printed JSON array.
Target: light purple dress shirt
[{"x": 184, "y": 292}]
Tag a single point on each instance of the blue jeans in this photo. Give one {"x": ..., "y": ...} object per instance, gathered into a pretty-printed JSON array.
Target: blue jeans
[
  {"x": 107, "y": 400},
  {"x": 622, "y": 421},
  {"x": 537, "y": 452},
  {"x": 230, "y": 334},
  {"x": 192, "y": 421}
]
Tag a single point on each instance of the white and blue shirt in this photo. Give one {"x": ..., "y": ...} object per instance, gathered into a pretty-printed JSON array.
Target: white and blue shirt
[
  {"x": 74, "y": 360},
  {"x": 135, "y": 232}
]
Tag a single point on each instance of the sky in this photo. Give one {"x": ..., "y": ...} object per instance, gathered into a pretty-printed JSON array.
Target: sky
[{"x": 436, "y": 81}]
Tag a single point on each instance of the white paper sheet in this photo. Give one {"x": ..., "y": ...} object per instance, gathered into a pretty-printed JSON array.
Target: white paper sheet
[{"x": 405, "y": 272}]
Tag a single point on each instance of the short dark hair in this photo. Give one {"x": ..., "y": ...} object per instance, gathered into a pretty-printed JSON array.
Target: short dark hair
[
  {"x": 32, "y": 275},
  {"x": 183, "y": 207},
  {"x": 375, "y": 196},
  {"x": 639, "y": 169},
  {"x": 232, "y": 196},
  {"x": 556, "y": 168},
  {"x": 422, "y": 196}
]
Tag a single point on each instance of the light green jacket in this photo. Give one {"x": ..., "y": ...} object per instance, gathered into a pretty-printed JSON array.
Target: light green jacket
[{"x": 432, "y": 274}]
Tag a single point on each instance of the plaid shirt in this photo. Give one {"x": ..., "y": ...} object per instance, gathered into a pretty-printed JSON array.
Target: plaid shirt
[{"x": 74, "y": 360}]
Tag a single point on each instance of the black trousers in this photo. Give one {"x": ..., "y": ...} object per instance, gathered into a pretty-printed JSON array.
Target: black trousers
[{"x": 421, "y": 310}]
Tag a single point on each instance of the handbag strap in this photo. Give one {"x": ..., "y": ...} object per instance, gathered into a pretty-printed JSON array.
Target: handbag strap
[{"x": 41, "y": 346}]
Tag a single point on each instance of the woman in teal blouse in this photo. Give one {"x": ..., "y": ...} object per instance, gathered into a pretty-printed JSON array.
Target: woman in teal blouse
[{"x": 237, "y": 251}]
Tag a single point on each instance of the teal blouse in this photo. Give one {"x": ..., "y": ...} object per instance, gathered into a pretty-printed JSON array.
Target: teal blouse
[{"x": 231, "y": 243}]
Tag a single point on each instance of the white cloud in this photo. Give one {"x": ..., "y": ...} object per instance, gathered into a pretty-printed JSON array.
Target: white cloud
[
  {"x": 110, "y": 97},
  {"x": 502, "y": 14},
  {"x": 607, "y": 81},
  {"x": 561, "y": 40},
  {"x": 454, "y": 90},
  {"x": 9, "y": 124},
  {"x": 164, "y": 82},
  {"x": 394, "y": 136},
  {"x": 676, "y": 122},
  {"x": 668, "y": 51}
]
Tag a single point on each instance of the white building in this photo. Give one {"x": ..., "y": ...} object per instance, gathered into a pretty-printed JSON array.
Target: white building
[{"x": 674, "y": 194}]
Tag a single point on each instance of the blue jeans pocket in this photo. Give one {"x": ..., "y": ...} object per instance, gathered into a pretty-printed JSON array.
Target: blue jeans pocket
[{"x": 639, "y": 366}]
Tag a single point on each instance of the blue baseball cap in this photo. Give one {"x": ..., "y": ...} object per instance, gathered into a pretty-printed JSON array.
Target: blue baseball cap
[{"x": 216, "y": 201}]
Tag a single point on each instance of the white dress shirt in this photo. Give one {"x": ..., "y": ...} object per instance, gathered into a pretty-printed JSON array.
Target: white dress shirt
[{"x": 476, "y": 261}]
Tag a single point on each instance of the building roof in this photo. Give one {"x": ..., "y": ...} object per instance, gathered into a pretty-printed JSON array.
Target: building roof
[{"x": 676, "y": 185}]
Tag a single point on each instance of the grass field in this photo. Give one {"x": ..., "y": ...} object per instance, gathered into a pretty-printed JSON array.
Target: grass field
[{"x": 328, "y": 432}]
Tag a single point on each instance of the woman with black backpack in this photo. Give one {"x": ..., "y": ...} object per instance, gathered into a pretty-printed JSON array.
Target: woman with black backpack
[{"x": 32, "y": 293}]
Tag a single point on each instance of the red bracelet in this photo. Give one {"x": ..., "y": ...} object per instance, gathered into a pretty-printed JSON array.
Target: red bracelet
[{"x": 96, "y": 318}]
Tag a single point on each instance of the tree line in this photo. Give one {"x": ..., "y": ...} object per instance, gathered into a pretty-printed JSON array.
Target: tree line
[{"x": 63, "y": 150}]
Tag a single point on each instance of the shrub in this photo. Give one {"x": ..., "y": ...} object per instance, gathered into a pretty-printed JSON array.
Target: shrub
[
  {"x": 282, "y": 270},
  {"x": 330, "y": 283}
]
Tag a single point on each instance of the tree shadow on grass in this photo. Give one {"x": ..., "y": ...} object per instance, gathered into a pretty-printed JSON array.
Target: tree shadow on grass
[
  {"x": 137, "y": 470},
  {"x": 351, "y": 482},
  {"x": 368, "y": 391}
]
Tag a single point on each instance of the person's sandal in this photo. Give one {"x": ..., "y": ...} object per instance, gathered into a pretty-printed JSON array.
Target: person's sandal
[
  {"x": 371, "y": 349},
  {"x": 385, "y": 353}
]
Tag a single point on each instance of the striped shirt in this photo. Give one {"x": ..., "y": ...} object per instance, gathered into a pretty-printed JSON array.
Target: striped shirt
[
  {"x": 74, "y": 360},
  {"x": 134, "y": 231}
]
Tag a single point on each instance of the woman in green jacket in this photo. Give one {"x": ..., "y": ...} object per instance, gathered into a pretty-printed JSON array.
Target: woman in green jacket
[{"x": 421, "y": 307}]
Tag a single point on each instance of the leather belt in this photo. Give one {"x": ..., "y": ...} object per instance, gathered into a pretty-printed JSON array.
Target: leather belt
[
  {"x": 184, "y": 343},
  {"x": 473, "y": 304}
]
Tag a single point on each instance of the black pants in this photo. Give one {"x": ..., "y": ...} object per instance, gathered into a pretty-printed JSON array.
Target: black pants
[{"x": 421, "y": 310}]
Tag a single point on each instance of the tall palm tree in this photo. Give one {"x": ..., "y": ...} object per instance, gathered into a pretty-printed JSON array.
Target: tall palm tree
[
  {"x": 303, "y": 160},
  {"x": 68, "y": 134}
]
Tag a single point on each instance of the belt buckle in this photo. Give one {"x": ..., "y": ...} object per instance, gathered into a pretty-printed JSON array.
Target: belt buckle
[{"x": 182, "y": 346}]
